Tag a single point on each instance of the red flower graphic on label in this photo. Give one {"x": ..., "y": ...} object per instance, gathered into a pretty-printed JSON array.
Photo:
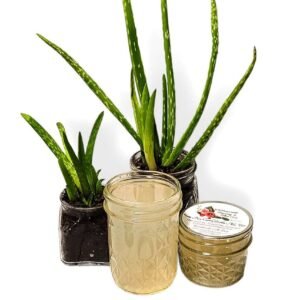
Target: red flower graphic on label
[
  {"x": 209, "y": 213},
  {"x": 205, "y": 212}
]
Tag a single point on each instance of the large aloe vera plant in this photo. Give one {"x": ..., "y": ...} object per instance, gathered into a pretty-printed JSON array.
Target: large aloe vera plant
[
  {"x": 82, "y": 182},
  {"x": 161, "y": 153}
]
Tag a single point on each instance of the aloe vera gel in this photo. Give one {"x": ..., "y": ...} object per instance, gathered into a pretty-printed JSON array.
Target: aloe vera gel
[{"x": 143, "y": 212}]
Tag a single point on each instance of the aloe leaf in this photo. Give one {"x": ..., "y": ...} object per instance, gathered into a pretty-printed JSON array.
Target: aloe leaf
[
  {"x": 164, "y": 116},
  {"x": 170, "y": 79},
  {"x": 217, "y": 119},
  {"x": 144, "y": 105},
  {"x": 99, "y": 187},
  {"x": 81, "y": 152},
  {"x": 70, "y": 185},
  {"x": 134, "y": 49},
  {"x": 94, "y": 87},
  {"x": 92, "y": 139},
  {"x": 84, "y": 185},
  {"x": 92, "y": 178},
  {"x": 136, "y": 106},
  {"x": 148, "y": 138},
  {"x": 62, "y": 131},
  {"x": 45, "y": 136},
  {"x": 213, "y": 59},
  {"x": 52, "y": 145}
]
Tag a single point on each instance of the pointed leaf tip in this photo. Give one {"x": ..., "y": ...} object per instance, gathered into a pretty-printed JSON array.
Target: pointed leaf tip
[{"x": 25, "y": 116}]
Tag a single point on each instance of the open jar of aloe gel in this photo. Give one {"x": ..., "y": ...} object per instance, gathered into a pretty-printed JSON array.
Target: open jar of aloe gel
[
  {"x": 143, "y": 211},
  {"x": 213, "y": 242}
]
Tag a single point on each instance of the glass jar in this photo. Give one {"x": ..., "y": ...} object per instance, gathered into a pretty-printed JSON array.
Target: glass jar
[
  {"x": 83, "y": 234},
  {"x": 213, "y": 242},
  {"x": 143, "y": 212},
  {"x": 187, "y": 177}
]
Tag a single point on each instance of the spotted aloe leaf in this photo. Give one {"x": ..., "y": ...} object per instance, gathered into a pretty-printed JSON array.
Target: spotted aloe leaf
[
  {"x": 134, "y": 49},
  {"x": 52, "y": 145},
  {"x": 217, "y": 119},
  {"x": 92, "y": 139},
  {"x": 62, "y": 131},
  {"x": 94, "y": 87},
  {"x": 138, "y": 70},
  {"x": 81, "y": 152},
  {"x": 136, "y": 106},
  {"x": 164, "y": 116},
  {"x": 148, "y": 138},
  {"x": 213, "y": 59},
  {"x": 71, "y": 188},
  {"x": 171, "y": 120},
  {"x": 84, "y": 185}
]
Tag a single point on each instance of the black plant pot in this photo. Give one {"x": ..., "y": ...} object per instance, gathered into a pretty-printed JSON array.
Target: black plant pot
[
  {"x": 83, "y": 233},
  {"x": 186, "y": 177}
]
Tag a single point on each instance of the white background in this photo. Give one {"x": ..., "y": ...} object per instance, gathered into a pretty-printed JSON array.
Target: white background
[{"x": 253, "y": 159}]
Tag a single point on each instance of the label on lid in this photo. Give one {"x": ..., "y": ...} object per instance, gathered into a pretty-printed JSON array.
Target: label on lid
[{"x": 216, "y": 219}]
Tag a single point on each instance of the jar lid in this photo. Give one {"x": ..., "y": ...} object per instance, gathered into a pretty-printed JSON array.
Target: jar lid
[{"x": 216, "y": 220}]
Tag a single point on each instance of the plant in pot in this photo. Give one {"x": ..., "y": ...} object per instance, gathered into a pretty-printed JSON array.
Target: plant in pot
[
  {"x": 83, "y": 221},
  {"x": 163, "y": 153}
]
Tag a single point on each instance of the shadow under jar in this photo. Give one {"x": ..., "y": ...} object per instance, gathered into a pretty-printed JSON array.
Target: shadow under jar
[
  {"x": 83, "y": 233},
  {"x": 143, "y": 212},
  {"x": 187, "y": 177},
  {"x": 213, "y": 241}
]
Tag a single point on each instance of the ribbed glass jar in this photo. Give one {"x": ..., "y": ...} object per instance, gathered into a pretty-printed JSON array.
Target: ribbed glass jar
[
  {"x": 213, "y": 241},
  {"x": 143, "y": 212}
]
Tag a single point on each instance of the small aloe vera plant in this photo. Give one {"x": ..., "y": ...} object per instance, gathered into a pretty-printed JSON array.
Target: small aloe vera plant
[
  {"x": 82, "y": 182},
  {"x": 161, "y": 153}
]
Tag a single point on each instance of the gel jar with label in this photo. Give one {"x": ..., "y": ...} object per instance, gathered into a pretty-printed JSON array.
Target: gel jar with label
[
  {"x": 213, "y": 242},
  {"x": 143, "y": 211}
]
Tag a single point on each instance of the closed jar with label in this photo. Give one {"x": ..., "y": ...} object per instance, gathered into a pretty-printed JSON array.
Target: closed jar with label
[
  {"x": 213, "y": 241},
  {"x": 143, "y": 211}
]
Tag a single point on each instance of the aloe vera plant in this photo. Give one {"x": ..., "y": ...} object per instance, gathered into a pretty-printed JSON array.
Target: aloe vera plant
[
  {"x": 161, "y": 154},
  {"x": 82, "y": 182}
]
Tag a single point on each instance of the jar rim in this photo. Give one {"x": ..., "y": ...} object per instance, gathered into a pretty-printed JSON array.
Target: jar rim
[
  {"x": 211, "y": 238},
  {"x": 143, "y": 174}
]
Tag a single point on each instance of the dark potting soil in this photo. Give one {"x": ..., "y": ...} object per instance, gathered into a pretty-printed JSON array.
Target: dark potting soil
[{"x": 83, "y": 233}]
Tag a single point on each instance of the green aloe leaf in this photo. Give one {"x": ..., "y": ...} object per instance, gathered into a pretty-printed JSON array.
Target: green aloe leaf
[
  {"x": 81, "y": 152},
  {"x": 213, "y": 59},
  {"x": 92, "y": 139},
  {"x": 134, "y": 49},
  {"x": 92, "y": 177},
  {"x": 84, "y": 185},
  {"x": 136, "y": 106},
  {"x": 99, "y": 187},
  {"x": 138, "y": 67},
  {"x": 170, "y": 80},
  {"x": 94, "y": 87},
  {"x": 52, "y": 145},
  {"x": 164, "y": 116},
  {"x": 71, "y": 186},
  {"x": 149, "y": 132},
  {"x": 217, "y": 119},
  {"x": 62, "y": 131},
  {"x": 144, "y": 105}
]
